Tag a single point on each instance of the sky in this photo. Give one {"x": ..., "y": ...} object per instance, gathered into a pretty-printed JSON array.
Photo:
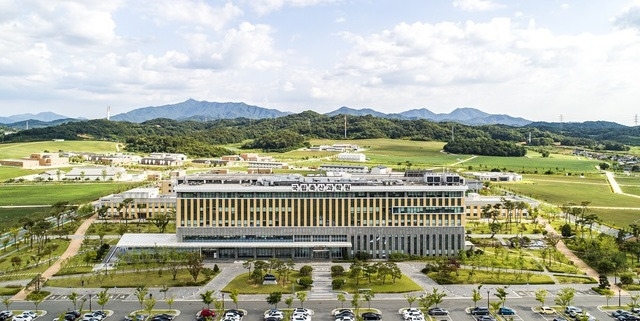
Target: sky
[{"x": 533, "y": 59}]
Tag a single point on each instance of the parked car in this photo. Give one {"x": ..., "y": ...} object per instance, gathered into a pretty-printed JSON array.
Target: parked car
[
  {"x": 370, "y": 316},
  {"x": 547, "y": 310},
  {"x": 559, "y": 319},
  {"x": 437, "y": 311},
  {"x": 570, "y": 308},
  {"x": 238, "y": 312},
  {"x": 506, "y": 311},
  {"x": 480, "y": 311},
  {"x": 485, "y": 318},
  {"x": 30, "y": 313},
  {"x": 22, "y": 318},
  {"x": 278, "y": 315}
]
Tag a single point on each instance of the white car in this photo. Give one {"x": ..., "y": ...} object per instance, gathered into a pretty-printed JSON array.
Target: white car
[
  {"x": 275, "y": 314},
  {"x": 409, "y": 316},
  {"x": 30, "y": 313},
  {"x": 411, "y": 312},
  {"x": 92, "y": 315},
  {"x": 547, "y": 310},
  {"x": 22, "y": 318}
]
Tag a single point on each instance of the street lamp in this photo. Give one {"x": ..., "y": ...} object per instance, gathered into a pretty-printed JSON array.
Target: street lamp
[
  {"x": 488, "y": 290},
  {"x": 619, "y": 293},
  {"x": 90, "y": 302},
  {"x": 222, "y": 301}
]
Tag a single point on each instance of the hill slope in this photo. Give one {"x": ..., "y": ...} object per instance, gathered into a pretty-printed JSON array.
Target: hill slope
[{"x": 43, "y": 117}]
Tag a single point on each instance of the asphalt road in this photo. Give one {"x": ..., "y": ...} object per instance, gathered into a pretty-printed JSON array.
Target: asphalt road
[{"x": 323, "y": 308}]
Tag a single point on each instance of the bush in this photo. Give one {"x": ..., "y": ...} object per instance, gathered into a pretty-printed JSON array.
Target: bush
[
  {"x": 566, "y": 230},
  {"x": 429, "y": 268},
  {"x": 362, "y": 256},
  {"x": 305, "y": 281},
  {"x": 306, "y": 270},
  {"x": 337, "y": 270},
  {"x": 338, "y": 283},
  {"x": 398, "y": 257},
  {"x": 603, "y": 283},
  {"x": 626, "y": 278},
  {"x": 216, "y": 269},
  {"x": 209, "y": 272}
]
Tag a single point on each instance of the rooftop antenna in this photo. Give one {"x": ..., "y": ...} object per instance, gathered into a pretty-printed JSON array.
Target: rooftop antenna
[
  {"x": 345, "y": 126},
  {"x": 108, "y": 112}
]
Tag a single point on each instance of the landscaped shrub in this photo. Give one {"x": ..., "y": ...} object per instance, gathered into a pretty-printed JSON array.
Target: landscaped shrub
[
  {"x": 337, "y": 270},
  {"x": 306, "y": 270},
  {"x": 337, "y": 283},
  {"x": 305, "y": 281}
]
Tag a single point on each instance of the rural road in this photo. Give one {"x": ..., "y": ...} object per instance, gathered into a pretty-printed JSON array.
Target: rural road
[{"x": 612, "y": 182}]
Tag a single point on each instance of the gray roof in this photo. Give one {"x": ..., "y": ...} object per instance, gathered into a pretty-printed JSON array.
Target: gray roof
[{"x": 171, "y": 240}]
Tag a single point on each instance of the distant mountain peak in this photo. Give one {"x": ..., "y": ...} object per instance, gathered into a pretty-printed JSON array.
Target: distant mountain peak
[
  {"x": 463, "y": 115},
  {"x": 45, "y": 116},
  {"x": 202, "y": 110}
]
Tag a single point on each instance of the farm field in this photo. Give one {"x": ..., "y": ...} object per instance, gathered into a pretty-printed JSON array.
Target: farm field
[
  {"x": 7, "y": 172},
  {"x": 11, "y": 216},
  {"x": 534, "y": 162},
  {"x": 47, "y": 194},
  {"x": 18, "y": 150},
  {"x": 393, "y": 151},
  {"x": 560, "y": 190},
  {"x": 630, "y": 185}
]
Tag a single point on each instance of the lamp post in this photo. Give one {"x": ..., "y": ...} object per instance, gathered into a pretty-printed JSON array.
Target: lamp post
[
  {"x": 488, "y": 290},
  {"x": 222, "y": 301},
  {"x": 619, "y": 293},
  {"x": 90, "y": 302}
]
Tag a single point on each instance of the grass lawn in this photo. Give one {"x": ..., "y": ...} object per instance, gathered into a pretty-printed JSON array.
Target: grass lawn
[
  {"x": 534, "y": 162},
  {"x": 10, "y": 217},
  {"x": 403, "y": 284},
  {"x": 25, "y": 254},
  {"x": 575, "y": 279},
  {"x": 131, "y": 280},
  {"x": 506, "y": 259},
  {"x": 47, "y": 194},
  {"x": 18, "y": 150},
  {"x": 559, "y": 190},
  {"x": 489, "y": 277},
  {"x": 133, "y": 227},
  {"x": 7, "y": 172},
  {"x": 620, "y": 218},
  {"x": 393, "y": 151},
  {"x": 478, "y": 227},
  {"x": 247, "y": 286},
  {"x": 9, "y": 290}
]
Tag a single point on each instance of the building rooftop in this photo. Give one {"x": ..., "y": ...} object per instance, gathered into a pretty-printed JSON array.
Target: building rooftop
[{"x": 149, "y": 240}]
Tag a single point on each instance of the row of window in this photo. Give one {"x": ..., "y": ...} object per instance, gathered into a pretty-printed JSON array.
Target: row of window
[
  {"x": 264, "y": 238},
  {"x": 294, "y": 195}
]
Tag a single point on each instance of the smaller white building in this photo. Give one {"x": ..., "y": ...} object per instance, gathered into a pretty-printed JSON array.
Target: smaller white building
[
  {"x": 340, "y": 168},
  {"x": 381, "y": 170},
  {"x": 180, "y": 157},
  {"x": 268, "y": 165},
  {"x": 495, "y": 176},
  {"x": 352, "y": 157},
  {"x": 98, "y": 174}
]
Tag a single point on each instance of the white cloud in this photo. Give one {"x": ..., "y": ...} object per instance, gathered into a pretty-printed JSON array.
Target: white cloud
[
  {"x": 476, "y": 5},
  {"x": 195, "y": 12},
  {"x": 340, "y": 20},
  {"x": 629, "y": 18},
  {"x": 565, "y": 6},
  {"x": 263, "y": 7}
]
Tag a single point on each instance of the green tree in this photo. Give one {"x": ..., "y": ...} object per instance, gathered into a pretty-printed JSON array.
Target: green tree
[
  {"x": 169, "y": 301},
  {"x": 36, "y": 298},
  {"x": 633, "y": 301},
  {"x": 233, "y": 295},
  {"x": 149, "y": 304},
  {"x": 341, "y": 298},
  {"x": 608, "y": 294},
  {"x": 207, "y": 298},
  {"x": 274, "y": 298},
  {"x": 476, "y": 296},
  {"x": 436, "y": 296},
  {"x": 541, "y": 296},
  {"x": 410, "y": 299},
  {"x": 74, "y": 299},
  {"x": 302, "y": 296},
  {"x": 501, "y": 294},
  {"x": 368, "y": 296},
  {"x": 102, "y": 298},
  {"x": 288, "y": 302},
  {"x": 6, "y": 300},
  {"x": 355, "y": 302},
  {"x": 140, "y": 293},
  {"x": 565, "y": 297},
  {"x": 195, "y": 264}
]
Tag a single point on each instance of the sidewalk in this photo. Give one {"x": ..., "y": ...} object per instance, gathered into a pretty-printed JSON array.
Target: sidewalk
[{"x": 72, "y": 250}]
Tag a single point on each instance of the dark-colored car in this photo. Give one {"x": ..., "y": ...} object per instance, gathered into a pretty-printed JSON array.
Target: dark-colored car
[
  {"x": 480, "y": 311},
  {"x": 506, "y": 311},
  {"x": 559, "y": 319},
  {"x": 370, "y": 316},
  {"x": 437, "y": 311}
]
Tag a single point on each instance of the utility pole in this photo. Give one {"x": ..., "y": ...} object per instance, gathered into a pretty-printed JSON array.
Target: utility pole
[
  {"x": 345, "y": 126},
  {"x": 636, "y": 119},
  {"x": 529, "y": 138},
  {"x": 453, "y": 135}
]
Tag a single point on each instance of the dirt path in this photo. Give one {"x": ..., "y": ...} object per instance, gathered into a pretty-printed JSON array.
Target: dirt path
[
  {"x": 612, "y": 181},
  {"x": 72, "y": 250}
]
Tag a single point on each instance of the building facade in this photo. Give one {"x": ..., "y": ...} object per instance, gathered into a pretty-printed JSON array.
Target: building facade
[
  {"x": 320, "y": 217},
  {"x": 147, "y": 202},
  {"x": 341, "y": 168},
  {"x": 352, "y": 157}
]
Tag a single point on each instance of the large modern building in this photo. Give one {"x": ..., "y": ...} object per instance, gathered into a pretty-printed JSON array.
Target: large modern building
[
  {"x": 291, "y": 216},
  {"x": 147, "y": 202}
]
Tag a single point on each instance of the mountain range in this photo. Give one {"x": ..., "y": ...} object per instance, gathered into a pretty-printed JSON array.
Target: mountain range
[{"x": 203, "y": 111}]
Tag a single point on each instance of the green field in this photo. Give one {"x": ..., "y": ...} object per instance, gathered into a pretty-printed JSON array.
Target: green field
[
  {"x": 7, "y": 172},
  {"x": 130, "y": 280},
  {"x": 620, "y": 218},
  {"x": 534, "y": 162},
  {"x": 18, "y": 150},
  {"x": 245, "y": 285},
  {"x": 10, "y": 216},
  {"x": 47, "y": 194},
  {"x": 630, "y": 185},
  {"x": 560, "y": 190},
  {"x": 492, "y": 277}
]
